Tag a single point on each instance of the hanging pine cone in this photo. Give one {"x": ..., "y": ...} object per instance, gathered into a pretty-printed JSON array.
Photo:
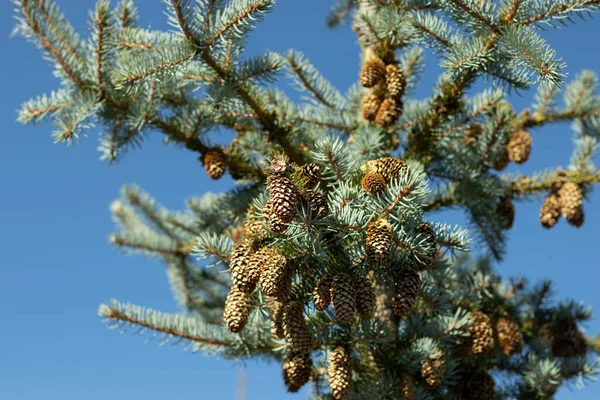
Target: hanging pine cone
[
  {"x": 571, "y": 201},
  {"x": 215, "y": 162},
  {"x": 379, "y": 242},
  {"x": 565, "y": 338},
  {"x": 519, "y": 147},
  {"x": 429, "y": 242},
  {"x": 481, "y": 339},
  {"x": 510, "y": 337},
  {"x": 433, "y": 370},
  {"x": 278, "y": 165},
  {"x": 550, "y": 211},
  {"x": 286, "y": 286},
  {"x": 578, "y": 219},
  {"x": 283, "y": 198},
  {"x": 369, "y": 106},
  {"x": 255, "y": 233},
  {"x": 340, "y": 373},
  {"x": 277, "y": 325},
  {"x": 395, "y": 82},
  {"x": 471, "y": 134},
  {"x": 237, "y": 309},
  {"x": 297, "y": 368},
  {"x": 389, "y": 112},
  {"x": 373, "y": 183},
  {"x": 295, "y": 328},
  {"x": 318, "y": 204},
  {"x": 407, "y": 388},
  {"x": 365, "y": 297},
  {"x": 406, "y": 289},
  {"x": 311, "y": 174},
  {"x": 389, "y": 167},
  {"x": 322, "y": 293},
  {"x": 275, "y": 223},
  {"x": 506, "y": 211},
  {"x": 343, "y": 297},
  {"x": 273, "y": 272},
  {"x": 372, "y": 72},
  {"x": 502, "y": 160},
  {"x": 477, "y": 385},
  {"x": 238, "y": 267}
]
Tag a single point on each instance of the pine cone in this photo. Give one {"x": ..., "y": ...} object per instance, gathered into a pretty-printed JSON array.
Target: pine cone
[
  {"x": 476, "y": 386},
  {"x": 406, "y": 289},
  {"x": 433, "y": 370},
  {"x": 365, "y": 297},
  {"x": 502, "y": 160},
  {"x": 471, "y": 134},
  {"x": 372, "y": 72},
  {"x": 277, "y": 325},
  {"x": 510, "y": 337},
  {"x": 286, "y": 286},
  {"x": 278, "y": 165},
  {"x": 379, "y": 242},
  {"x": 481, "y": 339},
  {"x": 506, "y": 211},
  {"x": 389, "y": 167},
  {"x": 318, "y": 204},
  {"x": 369, "y": 106},
  {"x": 407, "y": 388},
  {"x": 283, "y": 198},
  {"x": 343, "y": 297},
  {"x": 373, "y": 183},
  {"x": 429, "y": 241},
  {"x": 322, "y": 293},
  {"x": 571, "y": 201},
  {"x": 238, "y": 267},
  {"x": 578, "y": 219},
  {"x": 519, "y": 147},
  {"x": 273, "y": 272},
  {"x": 297, "y": 368},
  {"x": 275, "y": 223},
  {"x": 255, "y": 232},
  {"x": 394, "y": 79},
  {"x": 311, "y": 174},
  {"x": 550, "y": 211},
  {"x": 215, "y": 162},
  {"x": 237, "y": 309},
  {"x": 389, "y": 112},
  {"x": 295, "y": 328},
  {"x": 566, "y": 339},
  {"x": 340, "y": 374},
  {"x": 559, "y": 181}
]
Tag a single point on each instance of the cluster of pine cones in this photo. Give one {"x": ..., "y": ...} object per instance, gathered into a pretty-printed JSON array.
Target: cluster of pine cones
[
  {"x": 387, "y": 83},
  {"x": 566, "y": 199}
]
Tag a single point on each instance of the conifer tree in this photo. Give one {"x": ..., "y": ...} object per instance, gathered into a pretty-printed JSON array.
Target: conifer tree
[{"x": 326, "y": 256}]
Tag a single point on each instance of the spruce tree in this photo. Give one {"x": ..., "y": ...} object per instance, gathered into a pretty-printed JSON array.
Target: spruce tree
[{"x": 326, "y": 256}]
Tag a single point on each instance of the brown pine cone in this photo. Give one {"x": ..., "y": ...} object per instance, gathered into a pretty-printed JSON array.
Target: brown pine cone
[
  {"x": 379, "y": 242},
  {"x": 571, "y": 201},
  {"x": 322, "y": 293},
  {"x": 481, "y": 339},
  {"x": 273, "y": 272},
  {"x": 510, "y": 337},
  {"x": 238, "y": 267},
  {"x": 471, "y": 134},
  {"x": 340, "y": 373},
  {"x": 295, "y": 328},
  {"x": 578, "y": 219},
  {"x": 372, "y": 72},
  {"x": 550, "y": 211},
  {"x": 389, "y": 112},
  {"x": 278, "y": 165},
  {"x": 277, "y": 323},
  {"x": 407, "y": 287},
  {"x": 283, "y": 198},
  {"x": 343, "y": 297},
  {"x": 433, "y": 370},
  {"x": 395, "y": 82},
  {"x": 519, "y": 147},
  {"x": 389, "y": 167},
  {"x": 369, "y": 106},
  {"x": 365, "y": 297},
  {"x": 237, "y": 309},
  {"x": 311, "y": 174},
  {"x": 429, "y": 241},
  {"x": 318, "y": 204},
  {"x": 297, "y": 368},
  {"x": 275, "y": 223},
  {"x": 215, "y": 162},
  {"x": 373, "y": 183},
  {"x": 407, "y": 388},
  {"x": 502, "y": 160},
  {"x": 506, "y": 211},
  {"x": 566, "y": 339}
]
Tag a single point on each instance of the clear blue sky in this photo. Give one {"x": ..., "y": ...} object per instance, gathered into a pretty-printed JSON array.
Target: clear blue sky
[{"x": 54, "y": 223}]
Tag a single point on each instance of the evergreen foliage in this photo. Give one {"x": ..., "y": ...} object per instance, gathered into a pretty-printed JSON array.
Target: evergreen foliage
[{"x": 326, "y": 255}]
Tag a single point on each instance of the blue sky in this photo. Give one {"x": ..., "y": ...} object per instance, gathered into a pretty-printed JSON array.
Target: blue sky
[{"x": 54, "y": 224}]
